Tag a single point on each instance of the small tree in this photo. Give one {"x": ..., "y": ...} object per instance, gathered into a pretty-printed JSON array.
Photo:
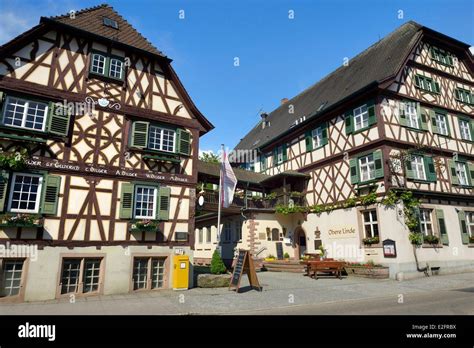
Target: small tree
[
  {"x": 209, "y": 157},
  {"x": 217, "y": 265}
]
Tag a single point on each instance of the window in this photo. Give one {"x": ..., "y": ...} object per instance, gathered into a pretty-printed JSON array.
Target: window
[
  {"x": 470, "y": 223},
  {"x": 25, "y": 193},
  {"x": 367, "y": 168},
  {"x": 116, "y": 68},
  {"x": 12, "y": 271},
  {"x": 361, "y": 117},
  {"x": 227, "y": 231},
  {"x": 145, "y": 202},
  {"x": 426, "y": 84},
  {"x": 441, "y": 56},
  {"x": 108, "y": 66},
  {"x": 418, "y": 167},
  {"x": 461, "y": 172},
  {"x": 161, "y": 139},
  {"x": 110, "y": 23},
  {"x": 441, "y": 124},
  {"x": 280, "y": 154},
  {"x": 73, "y": 270},
  {"x": 148, "y": 273},
  {"x": 208, "y": 234},
  {"x": 200, "y": 236},
  {"x": 463, "y": 95},
  {"x": 24, "y": 113},
  {"x": 273, "y": 234},
  {"x": 98, "y": 64},
  {"x": 238, "y": 231},
  {"x": 317, "y": 135},
  {"x": 412, "y": 115},
  {"x": 263, "y": 162},
  {"x": 426, "y": 225},
  {"x": 465, "y": 129},
  {"x": 371, "y": 227}
]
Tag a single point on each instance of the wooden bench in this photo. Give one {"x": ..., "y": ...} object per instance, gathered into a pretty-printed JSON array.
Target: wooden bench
[{"x": 333, "y": 267}]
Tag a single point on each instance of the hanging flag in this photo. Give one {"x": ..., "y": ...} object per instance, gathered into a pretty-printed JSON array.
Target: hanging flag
[{"x": 228, "y": 182}]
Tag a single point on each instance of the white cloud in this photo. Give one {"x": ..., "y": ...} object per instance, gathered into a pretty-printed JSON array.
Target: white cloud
[{"x": 13, "y": 25}]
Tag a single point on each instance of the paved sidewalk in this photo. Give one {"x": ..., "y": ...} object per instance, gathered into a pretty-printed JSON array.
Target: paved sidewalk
[{"x": 280, "y": 291}]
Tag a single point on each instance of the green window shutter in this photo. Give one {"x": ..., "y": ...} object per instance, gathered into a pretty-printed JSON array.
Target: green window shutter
[
  {"x": 308, "y": 138},
  {"x": 402, "y": 112},
  {"x": 409, "y": 170},
  {"x": 470, "y": 174},
  {"x": 432, "y": 53},
  {"x": 50, "y": 195},
  {"x": 434, "y": 126},
  {"x": 126, "y": 201},
  {"x": 163, "y": 206},
  {"x": 450, "y": 60},
  {"x": 324, "y": 130},
  {"x": 139, "y": 135},
  {"x": 443, "y": 232},
  {"x": 422, "y": 116},
  {"x": 436, "y": 88},
  {"x": 429, "y": 168},
  {"x": 275, "y": 156},
  {"x": 417, "y": 81},
  {"x": 378, "y": 160},
  {"x": 463, "y": 227},
  {"x": 452, "y": 169},
  {"x": 59, "y": 119},
  {"x": 371, "y": 112},
  {"x": 285, "y": 152},
  {"x": 354, "y": 168},
  {"x": 184, "y": 142},
  {"x": 457, "y": 94},
  {"x": 4, "y": 175},
  {"x": 349, "y": 119}
]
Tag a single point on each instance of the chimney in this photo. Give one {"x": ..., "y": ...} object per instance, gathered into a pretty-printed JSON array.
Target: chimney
[
  {"x": 283, "y": 101},
  {"x": 265, "y": 123}
]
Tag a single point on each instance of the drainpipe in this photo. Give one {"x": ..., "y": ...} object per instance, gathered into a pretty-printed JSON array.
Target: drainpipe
[{"x": 418, "y": 268}]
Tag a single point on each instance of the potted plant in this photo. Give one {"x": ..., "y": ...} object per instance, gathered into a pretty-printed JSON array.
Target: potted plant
[
  {"x": 371, "y": 240},
  {"x": 431, "y": 239},
  {"x": 21, "y": 220},
  {"x": 270, "y": 257},
  {"x": 286, "y": 256},
  {"x": 144, "y": 226}
]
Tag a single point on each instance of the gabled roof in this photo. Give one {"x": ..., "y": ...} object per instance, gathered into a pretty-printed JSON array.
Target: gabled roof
[
  {"x": 242, "y": 175},
  {"x": 377, "y": 63},
  {"x": 91, "y": 20}
]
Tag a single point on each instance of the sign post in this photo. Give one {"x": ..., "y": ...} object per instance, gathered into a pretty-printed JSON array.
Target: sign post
[{"x": 243, "y": 264}]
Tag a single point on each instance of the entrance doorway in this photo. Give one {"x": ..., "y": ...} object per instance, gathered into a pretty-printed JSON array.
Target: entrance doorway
[{"x": 300, "y": 243}]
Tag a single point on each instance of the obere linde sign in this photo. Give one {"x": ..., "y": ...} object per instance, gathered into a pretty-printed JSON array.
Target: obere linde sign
[{"x": 342, "y": 232}]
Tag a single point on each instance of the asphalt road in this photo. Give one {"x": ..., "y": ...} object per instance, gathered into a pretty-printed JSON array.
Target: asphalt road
[{"x": 447, "y": 302}]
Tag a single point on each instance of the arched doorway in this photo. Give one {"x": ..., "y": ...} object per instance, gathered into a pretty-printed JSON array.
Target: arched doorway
[{"x": 300, "y": 243}]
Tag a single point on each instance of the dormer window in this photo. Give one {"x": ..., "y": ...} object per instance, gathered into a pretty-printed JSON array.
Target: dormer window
[{"x": 110, "y": 23}]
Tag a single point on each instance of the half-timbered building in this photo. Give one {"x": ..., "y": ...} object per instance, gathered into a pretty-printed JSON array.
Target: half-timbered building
[
  {"x": 99, "y": 141},
  {"x": 397, "y": 118}
]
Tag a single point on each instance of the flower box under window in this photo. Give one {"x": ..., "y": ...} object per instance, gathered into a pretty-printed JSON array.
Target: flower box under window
[
  {"x": 144, "y": 226},
  {"x": 21, "y": 220}
]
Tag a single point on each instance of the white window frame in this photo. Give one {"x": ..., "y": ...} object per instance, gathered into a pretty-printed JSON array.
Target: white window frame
[
  {"x": 111, "y": 63},
  {"x": 7, "y": 285},
  {"x": 38, "y": 194},
  {"x": 442, "y": 119},
  {"x": 470, "y": 222},
  {"x": 155, "y": 202},
  {"x": 25, "y": 113},
  {"x": 95, "y": 67},
  {"x": 426, "y": 220},
  {"x": 317, "y": 136},
  {"x": 367, "y": 166},
  {"x": 412, "y": 116},
  {"x": 279, "y": 154},
  {"x": 160, "y": 144},
  {"x": 361, "y": 117},
  {"x": 462, "y": 172},
  {"x": 465, "y": 130},
  {"x": 370, "y": 223},
  {"x": 418, "y": 167}
]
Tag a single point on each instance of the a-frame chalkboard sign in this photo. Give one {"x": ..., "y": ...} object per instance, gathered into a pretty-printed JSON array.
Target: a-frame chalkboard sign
[{"x": 244, "y": 263}]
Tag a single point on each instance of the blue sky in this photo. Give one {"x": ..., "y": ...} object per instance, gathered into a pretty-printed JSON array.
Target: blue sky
[{"x": 279, "y": 57}]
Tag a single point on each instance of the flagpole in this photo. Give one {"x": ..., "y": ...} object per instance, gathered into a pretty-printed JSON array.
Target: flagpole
[{"x": 220, "y": 197}]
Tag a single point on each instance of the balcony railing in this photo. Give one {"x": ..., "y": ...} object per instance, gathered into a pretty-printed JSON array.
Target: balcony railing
[{"x": 212, "y": 197}]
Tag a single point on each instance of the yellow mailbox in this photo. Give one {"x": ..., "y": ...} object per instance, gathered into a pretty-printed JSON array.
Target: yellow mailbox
[{"x": 180, "y": 272}]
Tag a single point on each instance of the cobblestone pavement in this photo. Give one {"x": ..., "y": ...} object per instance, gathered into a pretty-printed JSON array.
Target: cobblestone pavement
[{"x": 282, "y": 293}]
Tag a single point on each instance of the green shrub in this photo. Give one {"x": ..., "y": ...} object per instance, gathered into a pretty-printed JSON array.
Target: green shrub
[
  {"x": 286, "y": 255},
  {"x": 217, "y": 265}
]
